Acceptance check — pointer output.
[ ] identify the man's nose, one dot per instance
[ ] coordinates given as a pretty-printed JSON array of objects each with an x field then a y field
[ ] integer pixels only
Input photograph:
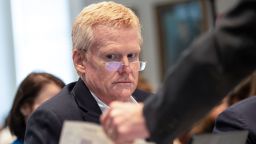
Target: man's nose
[
  {"x": 125, "y": 61},
  {"x": 125, "y": 66}
]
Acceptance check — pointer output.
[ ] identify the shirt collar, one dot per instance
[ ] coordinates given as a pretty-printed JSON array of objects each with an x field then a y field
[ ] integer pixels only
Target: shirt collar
[{"x": 104, "y": 106}]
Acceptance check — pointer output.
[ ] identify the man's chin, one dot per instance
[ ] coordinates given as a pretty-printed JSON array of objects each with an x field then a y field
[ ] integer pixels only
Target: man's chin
[{"x": 124, "y": 95}]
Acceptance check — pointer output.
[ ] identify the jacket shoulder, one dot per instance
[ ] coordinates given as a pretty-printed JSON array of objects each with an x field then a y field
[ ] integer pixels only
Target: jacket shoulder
[{"x": 141, "y": 95}]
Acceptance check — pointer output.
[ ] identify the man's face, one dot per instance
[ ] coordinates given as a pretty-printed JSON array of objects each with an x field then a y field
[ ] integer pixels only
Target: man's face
[{"x": 113, "y": 45}]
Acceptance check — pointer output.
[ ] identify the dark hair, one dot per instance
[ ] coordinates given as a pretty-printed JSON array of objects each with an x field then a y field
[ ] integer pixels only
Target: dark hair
[
  {"x": 26, "y": 93},
  {"x": 244, "y": 89}
]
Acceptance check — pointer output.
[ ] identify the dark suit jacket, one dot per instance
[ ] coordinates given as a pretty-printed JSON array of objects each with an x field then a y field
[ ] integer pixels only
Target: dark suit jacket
[
  {"x": 240, "y": 116},
  {"x": 74, "y": 102},
  {"x": 210, "y": 68}
]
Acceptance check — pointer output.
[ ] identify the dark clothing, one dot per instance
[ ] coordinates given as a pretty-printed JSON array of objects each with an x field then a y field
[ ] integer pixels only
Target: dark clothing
[
  {"x": 17, "y": 141},
  {"x": 240, "y": 116},
  {"x": 206, "y": 72},
  {"x": 74, "y": 102}
]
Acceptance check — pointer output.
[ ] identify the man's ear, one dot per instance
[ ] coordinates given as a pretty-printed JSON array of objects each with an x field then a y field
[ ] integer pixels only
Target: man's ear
[{"x": 78, "y": 61}]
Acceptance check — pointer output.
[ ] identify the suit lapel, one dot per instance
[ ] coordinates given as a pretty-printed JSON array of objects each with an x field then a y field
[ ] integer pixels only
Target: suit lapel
[
  {"x": 88, "y": 106},
  {"x": 140, "y": 96}
]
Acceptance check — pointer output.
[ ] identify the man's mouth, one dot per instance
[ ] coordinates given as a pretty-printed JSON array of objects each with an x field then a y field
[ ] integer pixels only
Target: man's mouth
[{"x": 120, "y": 82}]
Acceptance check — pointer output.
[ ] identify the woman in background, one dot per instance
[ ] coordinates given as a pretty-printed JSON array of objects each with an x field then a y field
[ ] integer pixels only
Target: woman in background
[
  {"x": 35, "y": 89},
  {"x": 246, "y": 88}
]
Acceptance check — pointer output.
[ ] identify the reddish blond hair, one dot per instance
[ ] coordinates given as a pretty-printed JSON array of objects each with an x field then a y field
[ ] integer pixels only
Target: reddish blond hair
[{"x": 109, "y": 14}]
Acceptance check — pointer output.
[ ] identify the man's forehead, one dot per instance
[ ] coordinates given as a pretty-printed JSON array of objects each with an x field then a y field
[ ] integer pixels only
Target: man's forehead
[
  {"x": 105, "y": 33},
  {"x": 115, "y": 39},
  {"x": 117, "y": 49}
]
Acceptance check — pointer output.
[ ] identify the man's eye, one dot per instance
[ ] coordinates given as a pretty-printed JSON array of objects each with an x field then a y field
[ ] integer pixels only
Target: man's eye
[
  {"x": 111, "y": 57},
  {"x": 132, "y": 56}
]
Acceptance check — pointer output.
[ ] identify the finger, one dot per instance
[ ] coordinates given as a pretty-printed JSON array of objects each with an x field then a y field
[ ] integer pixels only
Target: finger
[
  {"x": 108, "y": 123},
  {"x": 104, "y": 116},
  {"x": 116, "y": 104},
  {"x": 110, "y": 134},
  {"x": 105, "y": 121}
]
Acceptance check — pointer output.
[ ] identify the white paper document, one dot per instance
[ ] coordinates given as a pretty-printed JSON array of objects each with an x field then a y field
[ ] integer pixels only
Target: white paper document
[{"x": 75, "y": 132}]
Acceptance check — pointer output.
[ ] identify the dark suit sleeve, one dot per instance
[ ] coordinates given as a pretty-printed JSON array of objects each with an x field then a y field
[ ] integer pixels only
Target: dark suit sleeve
[
  {"x": 205, "y": 73},
  {"x": 234, "y": 121},
  {"x": 43, "y": 128}
]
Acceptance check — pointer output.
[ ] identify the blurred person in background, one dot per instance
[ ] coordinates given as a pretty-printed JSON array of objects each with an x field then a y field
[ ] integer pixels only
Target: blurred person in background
[
  {"x": 241, "y": 115},
  {"x": 205, "y": 125},
  {"x": 243, "y": 90},
  {"x": 34, "y": 90}
]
